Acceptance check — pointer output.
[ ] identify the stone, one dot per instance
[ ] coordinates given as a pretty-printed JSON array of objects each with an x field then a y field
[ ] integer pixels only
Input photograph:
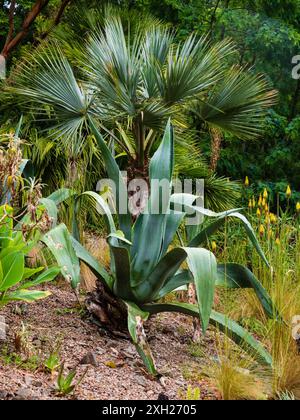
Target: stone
[
  {"x": 23, "y": 394},
  {"x": 141, "y": 381},
  {"x": 89, "y": 359}
]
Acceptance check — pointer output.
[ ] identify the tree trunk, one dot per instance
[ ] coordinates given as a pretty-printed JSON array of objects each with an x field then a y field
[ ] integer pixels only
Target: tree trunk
[
  {"x": 106, "y": 309},
  {"x": 216, "y": 143},
  {"x": 2, "y": 67},
  {"x": 27, "y": 23},
  {"x": 138, "y": 187},
  {"x": 57, "y": 18}
]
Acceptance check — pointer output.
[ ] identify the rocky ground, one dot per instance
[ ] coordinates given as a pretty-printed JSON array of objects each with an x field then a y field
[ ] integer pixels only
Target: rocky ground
[{"x": 58, "y": 326}]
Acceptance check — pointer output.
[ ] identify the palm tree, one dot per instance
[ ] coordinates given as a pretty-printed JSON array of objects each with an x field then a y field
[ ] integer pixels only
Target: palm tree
[{"x": 131, "y": 79}]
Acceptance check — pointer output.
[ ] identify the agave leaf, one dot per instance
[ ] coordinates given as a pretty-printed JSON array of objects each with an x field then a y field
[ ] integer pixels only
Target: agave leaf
[
  {"x": 136, "y": 317},
  {"x": 116, "y": 176},
  {"x": 203, "y": 266},
  {"x": 182, "y": 278},
  {"x": 61, "y": 195},
  {"x": 105, "y": 208},
  {"x": 237, "y": 333},
  {"x": 59, "y": 242},
  {"x": 93, "y": 264},
  {"x": 179, "y": 200},
  {"x": 235, "y": 276},
  {"x": 151, "y": 224},
  {"x": 121, "y": 269},
  {"x": 173, "y": 222},
  {"x": 165, "y": 269},
  {"x": 51, "y": 209},
  {"x": 202, "y": 236}
]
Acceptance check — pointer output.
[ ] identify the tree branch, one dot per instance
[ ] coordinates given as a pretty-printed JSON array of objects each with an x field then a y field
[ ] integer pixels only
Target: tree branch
[
  {"x": 27, "y": 23},
  {"x": 58, "y": 17},
  {"x": 12, "y": 10}
]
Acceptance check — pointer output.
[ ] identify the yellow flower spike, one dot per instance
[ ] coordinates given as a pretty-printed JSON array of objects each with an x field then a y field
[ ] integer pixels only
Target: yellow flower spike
[
  {"x": 247, "y": 182},
  {"x": 298, "y": 207},
  {"x": 266, "y": 208},
  {"x": 258, "y": 213},
  {"x": 262, "y": 230},
  {"x": 263, "y": 203},
  {"x": 213, "y": 246},
  {"x": 273, "y": 218},
  {"x": 277, "y": 242},
  {"x": 250, "y": 204},
  {"x": 9, "y": 181},
  {"x": 288, "y": 192},
  {"x": 253, "y": 203},
  {"x": 268, "y": 219},
  {"x": 270, "y": 234},
  {"x": 260, "y": 201},
  {"x": 265, "y": 195}
]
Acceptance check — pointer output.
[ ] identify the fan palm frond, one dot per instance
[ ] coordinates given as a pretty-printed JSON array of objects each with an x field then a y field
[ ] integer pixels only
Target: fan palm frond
[
  {"x": 221, "y": 193},
  {"x": 238, "y": 104}
]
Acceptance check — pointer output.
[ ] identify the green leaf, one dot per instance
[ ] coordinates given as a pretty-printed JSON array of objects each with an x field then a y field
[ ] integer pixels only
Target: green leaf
[
  {"x": 185, "y": 200},
  {"x": 235, "y": 276},
  {"x": 136, "y": 317},
  {"x": 93, "y": 264},
  {"x": 28, "y": 296},
  {"x": 61, "y": 195},
  {"x": 58, "y": 240},
  {"x": 173, "y": 222},
  {"x": 182, "y": 278},
  {"x": 13, "y": 270},
  {"x": 45, "y": 277},
  {"x": 51, "y": 209},
  {"x": 1, "y": 272},
  {"x": 152, "y": 223},
  {"x": 166, "y": 268},
  {"x": 30, "y": 272},
  {"x": 6, "y": 226},
  {"x": 238, "y": 334},
  {"x": 121, "y": 269},
  {"x": 203, "y": 266},
  {"x": 116, "y": 176},
  {"x": 105, "y": 208}
]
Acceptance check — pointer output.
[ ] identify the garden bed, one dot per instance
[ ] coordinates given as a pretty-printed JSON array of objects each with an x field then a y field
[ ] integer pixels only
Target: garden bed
[{"x": 115, "y": 372}]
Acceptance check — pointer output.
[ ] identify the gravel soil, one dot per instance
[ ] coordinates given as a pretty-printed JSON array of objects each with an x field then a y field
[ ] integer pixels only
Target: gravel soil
[{"x": 113, "y": 371}]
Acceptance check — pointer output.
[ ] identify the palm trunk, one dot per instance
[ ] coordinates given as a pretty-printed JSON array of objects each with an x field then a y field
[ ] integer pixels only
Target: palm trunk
[{"x": 216, "y": 143}]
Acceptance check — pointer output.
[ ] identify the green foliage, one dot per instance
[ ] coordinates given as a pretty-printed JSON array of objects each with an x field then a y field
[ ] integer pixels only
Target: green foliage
[
  {"x": 66, "y": 384},
  {"x": 154, "y": 78},
  {"x": 142, "y": 273},
  {"x": 52, "y": 363},
  {"x": 15, "y": 278}
]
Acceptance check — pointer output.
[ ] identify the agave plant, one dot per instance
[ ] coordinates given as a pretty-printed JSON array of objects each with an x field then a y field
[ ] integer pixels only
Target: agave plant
[
  {"x": 132, "y": 81},
  {"x": 144, "y": 269}
]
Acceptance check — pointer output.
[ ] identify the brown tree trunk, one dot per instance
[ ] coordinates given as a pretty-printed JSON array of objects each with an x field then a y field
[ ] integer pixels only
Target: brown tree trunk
[
  {"x": 216, "y": 143},
  {"x": 107, "y": 310},
  {"x": 57, "y": 18},
  {"x": 27, "y": 23},
  {"x": 13, "y": 41}
]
